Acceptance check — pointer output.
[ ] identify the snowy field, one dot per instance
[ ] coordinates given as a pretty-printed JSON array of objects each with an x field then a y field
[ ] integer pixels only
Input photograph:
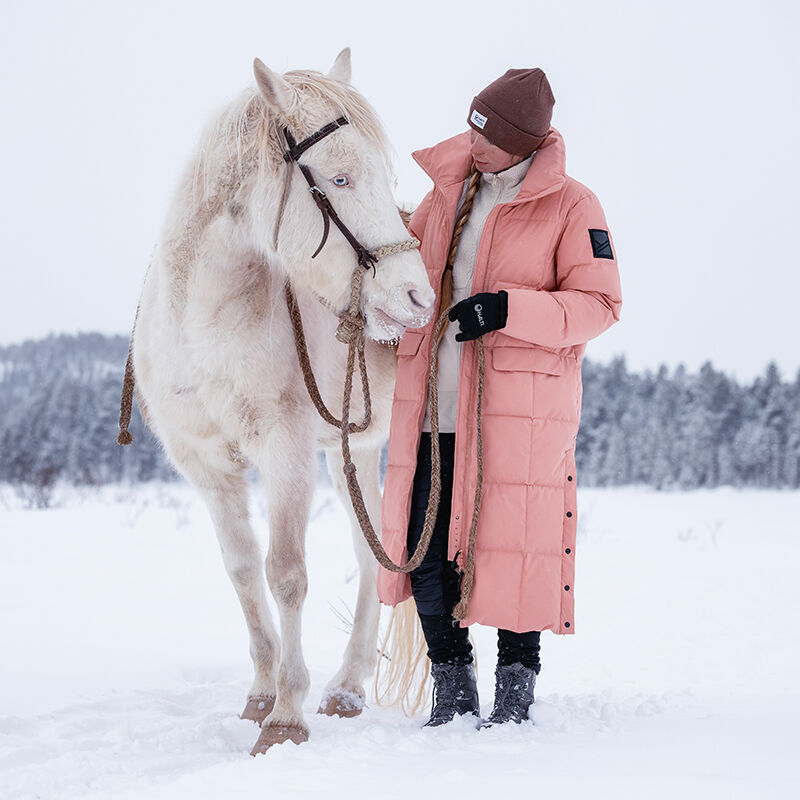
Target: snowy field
[{"x": 124, "y": 665}]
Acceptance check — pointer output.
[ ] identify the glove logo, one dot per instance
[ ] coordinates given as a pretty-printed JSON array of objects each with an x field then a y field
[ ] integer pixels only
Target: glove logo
[{"x": 478, "y": 309}]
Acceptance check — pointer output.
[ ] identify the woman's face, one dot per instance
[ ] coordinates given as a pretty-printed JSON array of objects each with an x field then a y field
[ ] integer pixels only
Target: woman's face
[{"x": 488, "y": 157}]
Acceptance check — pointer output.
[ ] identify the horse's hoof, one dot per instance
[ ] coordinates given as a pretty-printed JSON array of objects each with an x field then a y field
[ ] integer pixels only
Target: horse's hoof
[
  {"x": 258, "y": 707},
  {"x": 277, "y": 733},
  {"x": 342, "y": 703}
]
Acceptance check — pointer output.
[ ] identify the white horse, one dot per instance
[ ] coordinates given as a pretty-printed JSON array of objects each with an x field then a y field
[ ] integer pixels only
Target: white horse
[{"x": 216, "y": 368}]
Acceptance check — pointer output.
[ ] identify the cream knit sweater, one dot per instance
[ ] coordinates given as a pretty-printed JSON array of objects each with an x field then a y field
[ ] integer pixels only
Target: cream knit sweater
[{"x": 495, "y": 188}]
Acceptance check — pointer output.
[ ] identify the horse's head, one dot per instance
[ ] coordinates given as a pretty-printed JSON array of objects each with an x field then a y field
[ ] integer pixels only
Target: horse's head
[{"x": 352, "y": 167}]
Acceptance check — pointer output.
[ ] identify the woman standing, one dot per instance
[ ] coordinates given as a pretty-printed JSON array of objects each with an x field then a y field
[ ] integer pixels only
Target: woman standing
[{"x": 524, "y": 253}]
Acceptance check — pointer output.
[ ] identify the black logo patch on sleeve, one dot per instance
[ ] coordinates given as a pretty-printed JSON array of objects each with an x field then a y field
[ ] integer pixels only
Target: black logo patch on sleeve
[{"x": 601, "y": 246}]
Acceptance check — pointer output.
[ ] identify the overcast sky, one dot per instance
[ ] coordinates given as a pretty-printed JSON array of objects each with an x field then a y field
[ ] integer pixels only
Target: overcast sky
[{"x": 681, "y": 117}]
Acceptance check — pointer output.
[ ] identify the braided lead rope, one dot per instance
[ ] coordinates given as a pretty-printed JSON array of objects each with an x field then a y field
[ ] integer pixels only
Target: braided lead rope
[
  {"x": 351, "y": 321},
  {"x": 356, "y": 497},
  {"x": 351, "y": 331},
  {"x": 327, "y": 303},
  {"x": 460, "y": 611},
  {"x": 351, "y": 325},
  {"x": 379, "y": 253},
  {"x": 308, "y": 372},
  {"x": 126, "y": 402},
  {"x": 398, "y": 247},
  {"x": 125, "y": 437}
]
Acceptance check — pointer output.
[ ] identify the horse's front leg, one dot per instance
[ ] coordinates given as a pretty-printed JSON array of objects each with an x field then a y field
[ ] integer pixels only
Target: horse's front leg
[
  {"x": 344, "y": 695},
  {"x": 226, "y": 498},
  {"x": 289, "y": 471},
  {"x": 221, "y": 484}
]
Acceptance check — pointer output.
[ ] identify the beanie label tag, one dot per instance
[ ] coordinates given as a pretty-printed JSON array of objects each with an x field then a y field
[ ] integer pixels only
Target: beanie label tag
[{"x": 478, "y": 118}]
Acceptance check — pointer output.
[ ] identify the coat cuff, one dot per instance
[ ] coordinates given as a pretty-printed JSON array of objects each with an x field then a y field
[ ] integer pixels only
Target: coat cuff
[
  {"x": 531, "y": 315},
  {"x": 562, "y": 318}
]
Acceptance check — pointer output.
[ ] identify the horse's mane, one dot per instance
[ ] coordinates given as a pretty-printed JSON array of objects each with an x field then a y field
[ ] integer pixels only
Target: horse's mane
[{"x": 247, "y": 132}]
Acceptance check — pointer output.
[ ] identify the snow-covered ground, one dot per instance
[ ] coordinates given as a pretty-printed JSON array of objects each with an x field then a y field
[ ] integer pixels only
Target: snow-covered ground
[{"x": 123, "y": 660}]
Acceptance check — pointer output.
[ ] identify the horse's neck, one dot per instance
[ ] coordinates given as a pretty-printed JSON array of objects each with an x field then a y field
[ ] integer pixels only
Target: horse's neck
[
  {"x": 220, "y": 192},
  {"x": 207, "y": 229}
]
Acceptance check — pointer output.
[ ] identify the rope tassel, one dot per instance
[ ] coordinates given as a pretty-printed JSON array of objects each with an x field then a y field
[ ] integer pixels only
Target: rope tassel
[{"x": 126, "y": 402}]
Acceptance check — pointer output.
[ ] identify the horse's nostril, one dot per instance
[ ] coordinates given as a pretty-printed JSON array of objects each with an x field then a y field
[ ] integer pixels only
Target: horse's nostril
[{"x": 415, "y": 299}]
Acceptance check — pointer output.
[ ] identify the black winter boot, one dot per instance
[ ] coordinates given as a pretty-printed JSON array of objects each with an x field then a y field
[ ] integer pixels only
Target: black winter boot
[
  {"x": 455, "y": 692},
  {"x": 513, "y": 694}
]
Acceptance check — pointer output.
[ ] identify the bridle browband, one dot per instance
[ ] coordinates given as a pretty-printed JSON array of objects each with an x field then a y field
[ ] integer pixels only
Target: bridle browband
[{"x": 296, "y": 150}]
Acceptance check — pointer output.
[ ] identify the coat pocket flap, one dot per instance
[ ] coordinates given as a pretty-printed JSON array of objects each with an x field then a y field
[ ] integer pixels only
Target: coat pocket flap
[
  {"x": 409, "y": 343},
  {"x": 526, "y": 358}
]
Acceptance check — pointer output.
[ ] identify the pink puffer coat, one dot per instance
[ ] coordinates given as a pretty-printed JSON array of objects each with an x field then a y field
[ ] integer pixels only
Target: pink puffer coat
[{"x": 549, "y": 248}]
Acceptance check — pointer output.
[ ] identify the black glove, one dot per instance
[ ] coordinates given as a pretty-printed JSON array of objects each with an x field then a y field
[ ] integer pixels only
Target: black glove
[{"x": 479, "y": 314}]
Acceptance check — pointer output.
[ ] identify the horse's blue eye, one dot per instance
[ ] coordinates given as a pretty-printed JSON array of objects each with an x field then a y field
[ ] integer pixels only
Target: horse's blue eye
[{"x": 340, "y": 180}]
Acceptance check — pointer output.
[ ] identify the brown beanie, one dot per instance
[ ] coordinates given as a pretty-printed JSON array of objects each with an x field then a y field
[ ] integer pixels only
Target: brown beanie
[{"x": 514, "y": 111}]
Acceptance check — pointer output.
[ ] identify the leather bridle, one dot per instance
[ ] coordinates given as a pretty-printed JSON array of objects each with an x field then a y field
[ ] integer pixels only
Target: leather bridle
[{"x": 365, "y": 257}]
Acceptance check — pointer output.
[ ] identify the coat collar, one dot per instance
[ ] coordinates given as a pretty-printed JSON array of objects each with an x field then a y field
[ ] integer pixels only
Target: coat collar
[
  {"x": 510, "y": 178},
  {"x": 449, "y": 162}
]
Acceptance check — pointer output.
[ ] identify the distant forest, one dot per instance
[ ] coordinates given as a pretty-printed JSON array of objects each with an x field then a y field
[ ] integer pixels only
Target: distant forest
[{"x": 59, "y": 405}]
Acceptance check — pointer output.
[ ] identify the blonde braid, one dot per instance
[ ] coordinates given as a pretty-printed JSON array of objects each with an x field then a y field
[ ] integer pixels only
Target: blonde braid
[{"x": 461, "y": 221}]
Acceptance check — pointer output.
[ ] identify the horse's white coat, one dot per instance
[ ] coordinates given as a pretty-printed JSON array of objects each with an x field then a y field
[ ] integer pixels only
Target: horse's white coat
[{"x": 217, "y": 374}]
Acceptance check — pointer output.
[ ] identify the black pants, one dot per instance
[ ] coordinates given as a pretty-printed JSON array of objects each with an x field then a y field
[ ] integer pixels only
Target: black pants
[{"x": 436, "y": 582}]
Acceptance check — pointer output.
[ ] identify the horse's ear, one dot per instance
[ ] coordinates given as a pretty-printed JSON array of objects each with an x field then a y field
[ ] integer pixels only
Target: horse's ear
[
  {"x": 274, "y": 88},
  {"x": 340, "y": 71}
]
